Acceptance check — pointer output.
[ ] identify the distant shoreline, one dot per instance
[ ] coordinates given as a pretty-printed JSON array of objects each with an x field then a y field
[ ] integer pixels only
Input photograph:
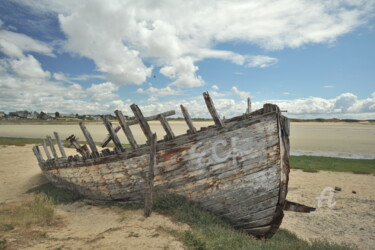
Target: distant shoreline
[{"x": 177, "y": 120}]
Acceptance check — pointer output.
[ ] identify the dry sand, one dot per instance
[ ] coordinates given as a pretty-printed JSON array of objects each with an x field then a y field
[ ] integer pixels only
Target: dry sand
[
  {"x": 351, "y": 220},
  {"x": 84, "y": 226},
  {"x": 352, "y": 140}
]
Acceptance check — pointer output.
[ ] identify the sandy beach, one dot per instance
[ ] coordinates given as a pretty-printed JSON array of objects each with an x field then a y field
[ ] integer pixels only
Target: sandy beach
[{"x": 351, "y": 220}]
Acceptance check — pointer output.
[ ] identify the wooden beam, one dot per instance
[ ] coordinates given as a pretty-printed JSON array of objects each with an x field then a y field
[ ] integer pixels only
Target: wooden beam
[
  {"x": 212, "y": 110},
  {"x": 62, "y": 151},
  {"x": 188, "y": 120},
  {"x": 133, "y": 122},
  {"x": 113, "y": 134},
  {"x": 142, "y": 122},
  {"x": 150, "y": 179},
  {"x": 53, "y": 150},
  {"x": 74, "y": 141},
  {"x": 248, "y": 110},
  {"x": 170, "y": 135},
  {"x": 125, "y": 127},
  {"x": 153, "y": 117},
  {"x": 89, "y": 139},
  {"x": 46, "y": 150},
  {"x": 38, "y": 154}
]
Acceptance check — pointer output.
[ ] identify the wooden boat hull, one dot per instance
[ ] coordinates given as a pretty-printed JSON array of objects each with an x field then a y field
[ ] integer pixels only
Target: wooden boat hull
[{"x": 238, "y": 171}]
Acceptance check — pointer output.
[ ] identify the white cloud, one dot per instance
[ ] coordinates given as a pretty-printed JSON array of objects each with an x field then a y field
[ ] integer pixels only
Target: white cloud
[
  {"x": 103, "y": 91},
  {"x": 242, "y": 94},
  {"x": 125, "y": 38},
  {"x": 155, "y": 93},
  {"x": 15, "y": 44},
  {"x": 215, "y": 87},
  {"x": 260, "y": 61},
  {"x": 328, "y": 86}
]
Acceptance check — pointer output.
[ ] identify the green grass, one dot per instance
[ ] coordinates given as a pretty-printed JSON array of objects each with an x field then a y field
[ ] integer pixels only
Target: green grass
[
  {"x": 210, "y": 232},
  {"x": 316, "y": 163},
  {"x": 55, "y": 194},
  {"x": 207, "y": 230},
  {"x": 39, "y": 211}
]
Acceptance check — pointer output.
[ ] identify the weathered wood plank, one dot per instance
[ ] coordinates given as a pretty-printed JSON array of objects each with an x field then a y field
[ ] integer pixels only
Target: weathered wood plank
[
  {"x": 53, "y": 150},
  {"x": 248, "y": 110},
  {"x": 38, "y": 154},
  {"x": 133, "y": 122},
  {"x": 59, "y": 144},
  {"x": 46, "y": 150},
  {"x": 212, "y": 110},
  {"x": 142, "y": 122},
  {"x": 125, "y": 127},
  {"x": 153, "y": 117},
  {"x": 170, "y": 135},
  {"x": 185, "y": 113},
  {"x": 89, "y": 139},
  {"x": 179, "y": 141},
  {"x": 111, "y": 131},
  {"x": 150, "y": 179},
  {"x": 82, "y": 150}
]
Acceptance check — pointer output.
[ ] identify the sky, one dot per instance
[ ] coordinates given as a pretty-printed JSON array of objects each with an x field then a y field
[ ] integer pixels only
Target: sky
[{"x": 313, "y": 58}]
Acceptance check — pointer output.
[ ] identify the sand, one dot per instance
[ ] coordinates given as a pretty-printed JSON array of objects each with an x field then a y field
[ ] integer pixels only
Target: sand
[
  {"x": 343, "y": 139},
  {"x": 83, "y": 226},
  {"x": 351, "y": 220}
]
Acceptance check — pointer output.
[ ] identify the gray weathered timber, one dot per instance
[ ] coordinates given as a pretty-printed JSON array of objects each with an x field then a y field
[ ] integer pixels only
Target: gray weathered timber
[
  {"x": 212, "y": 110},
  {"x": 59, "y": 144},
  {"x": 125, "y": 127},
  {"x": 237, "y": 169},
  {"x": 111, "y": 131},
  {"x": 133, "y": 122},
  {"x": 89, "y": 140},
  {"x": 142, "y": 122},
  {"x": 150, "y": 177},
  {"x": 185, "y": 113},
  {"x": 37, "y": 154},
  {"x": 52, "y": 147},
  {"x": 248, "y": 110},
  {"x": 167, "y": 128},
  {"x": 46, "y": 150}
]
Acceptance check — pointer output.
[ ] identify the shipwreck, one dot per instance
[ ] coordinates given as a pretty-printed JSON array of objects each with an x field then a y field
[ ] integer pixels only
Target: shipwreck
[{"x": 237, "y": 168}]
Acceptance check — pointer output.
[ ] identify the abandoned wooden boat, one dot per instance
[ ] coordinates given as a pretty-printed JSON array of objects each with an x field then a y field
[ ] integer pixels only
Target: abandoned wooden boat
[{"x": 237, "y": 169}]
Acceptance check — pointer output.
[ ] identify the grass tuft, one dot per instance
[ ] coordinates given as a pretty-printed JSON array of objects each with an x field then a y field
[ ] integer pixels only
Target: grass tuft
[
  {"x": 57, "y": 195},
  {"x": 39, "y": 211},
  {"x": 210, "y": 232},
  {"x": 317, "y": 163}
]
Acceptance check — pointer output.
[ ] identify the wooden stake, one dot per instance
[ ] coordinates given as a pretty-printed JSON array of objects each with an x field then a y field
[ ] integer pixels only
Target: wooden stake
[
  {"x": 46, "y": 150},
  {"x": 150, "y": 179},
  {"x": 38, "y": 154},
  {"x": 170, "y": 135},
  {"x": 142, "y": 122},
  {"x": 212, "y": 110},
  {"x": 62, "y": 151},
  {"x": 248, "y": 110},
  {"x": 113, "y": 134},
  {"x": 126, "y": 129},
  {"x": 53, "y": 150},
  {"x": 188, "y": 120},
  {"x": 89, "y": 139}
]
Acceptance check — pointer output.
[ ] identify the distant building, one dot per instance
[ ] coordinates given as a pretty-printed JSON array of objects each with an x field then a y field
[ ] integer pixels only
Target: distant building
[{"x": 2, "y": 114}]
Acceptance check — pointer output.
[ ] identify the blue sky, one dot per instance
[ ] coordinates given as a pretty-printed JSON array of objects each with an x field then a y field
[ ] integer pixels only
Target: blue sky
[{"x": 312, "y": 58}]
